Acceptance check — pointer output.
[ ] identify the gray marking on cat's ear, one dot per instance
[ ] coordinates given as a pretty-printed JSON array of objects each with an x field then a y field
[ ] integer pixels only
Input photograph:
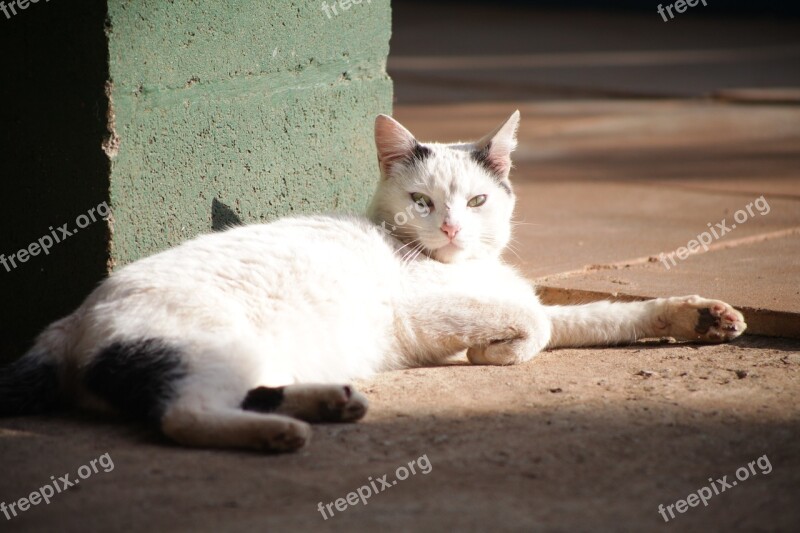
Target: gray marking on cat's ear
[
  {"x": 396, "y": 144},
  {"x": 493, "y": 151},
  {"x": 482, "y": 158},
  {"x": 420, "y": 153}
]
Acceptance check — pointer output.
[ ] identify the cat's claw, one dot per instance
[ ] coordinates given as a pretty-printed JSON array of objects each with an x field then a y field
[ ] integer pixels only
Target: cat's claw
[{"x": 703, "y": 320}]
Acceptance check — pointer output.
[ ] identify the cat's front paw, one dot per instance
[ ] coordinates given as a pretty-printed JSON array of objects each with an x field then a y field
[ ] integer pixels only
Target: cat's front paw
[
  {"x": 502, "y": 352},
  {"x": 700, "y": 319}
]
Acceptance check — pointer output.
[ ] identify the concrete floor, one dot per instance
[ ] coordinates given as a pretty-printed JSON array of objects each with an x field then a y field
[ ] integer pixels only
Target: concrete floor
[
  {"x": 575, "y": 440},
  {"x": 607, "y": 176}
]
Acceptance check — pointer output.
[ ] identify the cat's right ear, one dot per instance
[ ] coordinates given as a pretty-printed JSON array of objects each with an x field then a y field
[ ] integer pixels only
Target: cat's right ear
[
  {"x": 494, "y": 150},
  {"x": 395, "y": 144}
]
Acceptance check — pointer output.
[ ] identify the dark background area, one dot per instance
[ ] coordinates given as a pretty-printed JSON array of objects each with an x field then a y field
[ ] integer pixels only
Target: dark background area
[
  {"x": 729, "y": 6},
  {"x": 522, "y": 51},
  {"x": 52, "y": 125}
]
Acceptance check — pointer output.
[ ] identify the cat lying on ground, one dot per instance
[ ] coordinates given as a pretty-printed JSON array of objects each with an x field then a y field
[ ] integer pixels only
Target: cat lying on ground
[{"x": 238, "y": 339}]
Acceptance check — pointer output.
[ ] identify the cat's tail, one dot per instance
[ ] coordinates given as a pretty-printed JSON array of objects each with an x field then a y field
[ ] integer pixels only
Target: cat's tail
[{"x": 32, "y": 383}]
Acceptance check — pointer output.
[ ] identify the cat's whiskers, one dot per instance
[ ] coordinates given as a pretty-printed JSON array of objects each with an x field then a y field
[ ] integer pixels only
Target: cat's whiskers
[
  {"x": 413, "y": 243},
  {"x": 409, "y": 243},
  {"x": 413, "y": 250},
  {"x": 513, "y": 251},
  {"x": 413, "y": 254},
  {"x": 512, "y": 248},
  {"x": 421, "y": 250}
]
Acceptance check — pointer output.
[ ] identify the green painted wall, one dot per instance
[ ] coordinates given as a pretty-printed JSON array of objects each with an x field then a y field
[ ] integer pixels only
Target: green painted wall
[
  {"x": 218, "y": 111},
  {"x": 262, "y": 106}
]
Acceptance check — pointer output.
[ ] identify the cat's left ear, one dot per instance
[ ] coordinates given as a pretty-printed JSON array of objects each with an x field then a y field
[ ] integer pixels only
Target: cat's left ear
[
  {"x": 494, "y": 150},
  {"x": 396, "y": 145}
]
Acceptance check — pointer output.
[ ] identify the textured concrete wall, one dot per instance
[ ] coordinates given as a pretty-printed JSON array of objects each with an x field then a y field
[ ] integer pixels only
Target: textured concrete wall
[
  {"x": 185, "y": 116},
  {"x": 262, "y": 106}
]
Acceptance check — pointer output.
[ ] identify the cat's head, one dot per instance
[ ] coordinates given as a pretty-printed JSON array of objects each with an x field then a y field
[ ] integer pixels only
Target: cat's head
[{"x": 451, "y": 201}]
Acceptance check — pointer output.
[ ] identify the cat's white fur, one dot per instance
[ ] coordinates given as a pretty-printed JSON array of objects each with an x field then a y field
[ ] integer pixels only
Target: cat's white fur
[{"x": 327, "y": 299}]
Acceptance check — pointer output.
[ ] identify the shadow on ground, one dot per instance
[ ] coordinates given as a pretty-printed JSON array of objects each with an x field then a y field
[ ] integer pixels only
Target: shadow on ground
[{"x": 573, "y": 440}]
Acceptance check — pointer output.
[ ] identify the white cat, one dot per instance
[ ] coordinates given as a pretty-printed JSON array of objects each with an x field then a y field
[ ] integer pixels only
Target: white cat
[{"x": 237, "y": 339}]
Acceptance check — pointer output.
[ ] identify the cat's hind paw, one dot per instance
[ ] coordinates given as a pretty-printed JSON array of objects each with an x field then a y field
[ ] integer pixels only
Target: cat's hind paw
[
  {"x": 288, "y": 437},
  {"x": 323, "y": 403},
  {"x": 343, "y": 405},
  {"x": 703, "y": 320}
]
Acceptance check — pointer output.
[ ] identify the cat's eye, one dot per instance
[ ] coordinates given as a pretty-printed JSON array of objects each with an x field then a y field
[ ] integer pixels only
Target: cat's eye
[
  {"x": 477, "y": 201},
  {"x": 422, "y": 199}
]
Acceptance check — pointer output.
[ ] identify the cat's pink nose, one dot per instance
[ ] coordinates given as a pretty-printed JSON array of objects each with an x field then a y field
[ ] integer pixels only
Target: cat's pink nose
[{"x": 451, "y": 230}]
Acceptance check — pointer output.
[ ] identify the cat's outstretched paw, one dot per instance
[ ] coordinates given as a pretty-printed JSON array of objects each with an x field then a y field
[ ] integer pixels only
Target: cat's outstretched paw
[{"x": 699, "y": 319}]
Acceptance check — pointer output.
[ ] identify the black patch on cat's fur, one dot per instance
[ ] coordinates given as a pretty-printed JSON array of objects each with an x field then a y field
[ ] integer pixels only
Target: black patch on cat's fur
[
  {"x": 705, "y": 321},
  {"x": 420, "y": 153},
  {"x": 223, "y": 217},
  {"x": 263, "y": 399},
  {"x": 29, "y": 385},
  {"x": 482, "y": 158},
  {"x": 137, "y": 378}
]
